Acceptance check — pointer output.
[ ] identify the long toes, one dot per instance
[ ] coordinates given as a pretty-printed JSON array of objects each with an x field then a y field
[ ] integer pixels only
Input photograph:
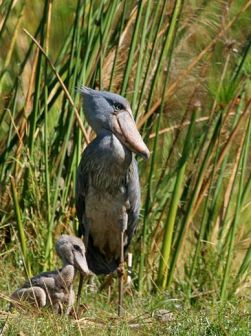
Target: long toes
[{"x": 121, "y": 270}]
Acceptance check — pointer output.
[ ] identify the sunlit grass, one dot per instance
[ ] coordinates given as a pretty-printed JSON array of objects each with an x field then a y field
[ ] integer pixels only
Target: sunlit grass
[{"x": 155, "y": 315}]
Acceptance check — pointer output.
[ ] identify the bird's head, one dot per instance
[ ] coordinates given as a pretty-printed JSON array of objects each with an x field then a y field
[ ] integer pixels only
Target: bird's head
[
  {"x": 71, "y": 250},
  {"x": 107, "y": 111}
]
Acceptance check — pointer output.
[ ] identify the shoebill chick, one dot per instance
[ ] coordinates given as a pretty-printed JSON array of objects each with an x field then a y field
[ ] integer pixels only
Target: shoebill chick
[{"x": 55, "y": 288}]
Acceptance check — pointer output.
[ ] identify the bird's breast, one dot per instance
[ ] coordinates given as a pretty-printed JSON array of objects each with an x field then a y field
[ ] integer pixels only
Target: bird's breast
[
  {"x": 106, "y": 216},
  {"x": 103, "y": 185}
]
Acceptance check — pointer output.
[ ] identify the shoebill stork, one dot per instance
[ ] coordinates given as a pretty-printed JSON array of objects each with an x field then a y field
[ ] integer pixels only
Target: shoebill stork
[
  {"x": 108, "y": 190},
  {"x": 55, "y": 288}
]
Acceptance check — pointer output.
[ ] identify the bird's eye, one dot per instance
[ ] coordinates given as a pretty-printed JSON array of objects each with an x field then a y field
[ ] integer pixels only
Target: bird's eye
[
  {"x": 77, "y": 248},
  {"x": 117, "y": 107}
]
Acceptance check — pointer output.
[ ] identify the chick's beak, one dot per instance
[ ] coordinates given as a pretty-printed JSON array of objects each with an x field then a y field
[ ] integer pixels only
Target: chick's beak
[
  {"x": 125, "y": 129},
  {"x": 81, "y": 264}
]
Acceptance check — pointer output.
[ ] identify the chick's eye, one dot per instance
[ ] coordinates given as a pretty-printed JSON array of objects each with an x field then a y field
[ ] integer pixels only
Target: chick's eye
[{"x": 77, "y": 248}]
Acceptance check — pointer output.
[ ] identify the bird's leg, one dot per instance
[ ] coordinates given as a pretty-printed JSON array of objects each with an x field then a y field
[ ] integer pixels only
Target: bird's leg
[
  {"x": 81, "y": 279},
  {"x": 120, "y": 271},
  {"x": 34, "y": 295},
  {"x": 71, "y": 301}
]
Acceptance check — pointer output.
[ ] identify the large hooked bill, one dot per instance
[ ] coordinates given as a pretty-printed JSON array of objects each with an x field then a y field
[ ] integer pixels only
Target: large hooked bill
[{"x": 125, "y": 129}]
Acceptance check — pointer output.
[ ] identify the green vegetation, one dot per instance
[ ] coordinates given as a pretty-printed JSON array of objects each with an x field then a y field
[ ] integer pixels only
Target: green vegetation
[
  {"x": 185, "y": 68},
  {"x": 144, "y": 316}
]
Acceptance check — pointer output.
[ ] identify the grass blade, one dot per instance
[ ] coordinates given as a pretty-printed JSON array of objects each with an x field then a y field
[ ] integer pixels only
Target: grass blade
[
  {"x": 175, "y": 199},
  {"x": 20, "y": 227}
]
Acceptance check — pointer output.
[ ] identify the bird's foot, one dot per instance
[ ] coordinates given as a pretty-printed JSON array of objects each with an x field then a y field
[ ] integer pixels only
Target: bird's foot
[{"x": 121, "y": 270}]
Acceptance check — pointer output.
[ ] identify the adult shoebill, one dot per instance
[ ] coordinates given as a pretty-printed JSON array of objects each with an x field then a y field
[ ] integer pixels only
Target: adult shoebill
[
  {"x": 108, "y": 190},
  {"x": 55, "y": 287}
]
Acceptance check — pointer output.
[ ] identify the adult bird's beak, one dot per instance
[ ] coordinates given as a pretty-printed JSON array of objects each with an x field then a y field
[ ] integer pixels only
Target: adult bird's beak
[
  {"x": 125, "y": 129},
  {"x": 81, "y": 264}
]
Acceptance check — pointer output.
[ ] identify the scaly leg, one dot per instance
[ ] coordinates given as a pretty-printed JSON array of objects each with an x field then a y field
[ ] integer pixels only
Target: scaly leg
[
  {"x": 81, "y": 279},
  {"x": 70, "y": 306},
  {"x": 120, "y": 271}
]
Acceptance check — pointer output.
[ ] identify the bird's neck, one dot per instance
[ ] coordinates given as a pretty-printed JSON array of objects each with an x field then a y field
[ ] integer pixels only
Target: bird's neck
[
  {"x": 108, "y": 161},
  {"x": 113, "y": 153},
  {"x": 68, "y": 273}
]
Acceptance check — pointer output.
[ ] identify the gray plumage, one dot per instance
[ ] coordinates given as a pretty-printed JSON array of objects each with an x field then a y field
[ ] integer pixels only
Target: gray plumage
[
  {"x": 55, "y": 288},
  {"x": 108, "y": 191}
]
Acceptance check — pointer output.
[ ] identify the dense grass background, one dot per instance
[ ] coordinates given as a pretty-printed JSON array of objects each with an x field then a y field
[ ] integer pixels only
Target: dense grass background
[{"x": 185, "y": 68}]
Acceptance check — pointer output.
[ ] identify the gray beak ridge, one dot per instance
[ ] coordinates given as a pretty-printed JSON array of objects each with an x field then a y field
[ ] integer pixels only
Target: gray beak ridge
[
  {"x": 126, "y": 130},
  {"x": 81, "y": 264}
]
